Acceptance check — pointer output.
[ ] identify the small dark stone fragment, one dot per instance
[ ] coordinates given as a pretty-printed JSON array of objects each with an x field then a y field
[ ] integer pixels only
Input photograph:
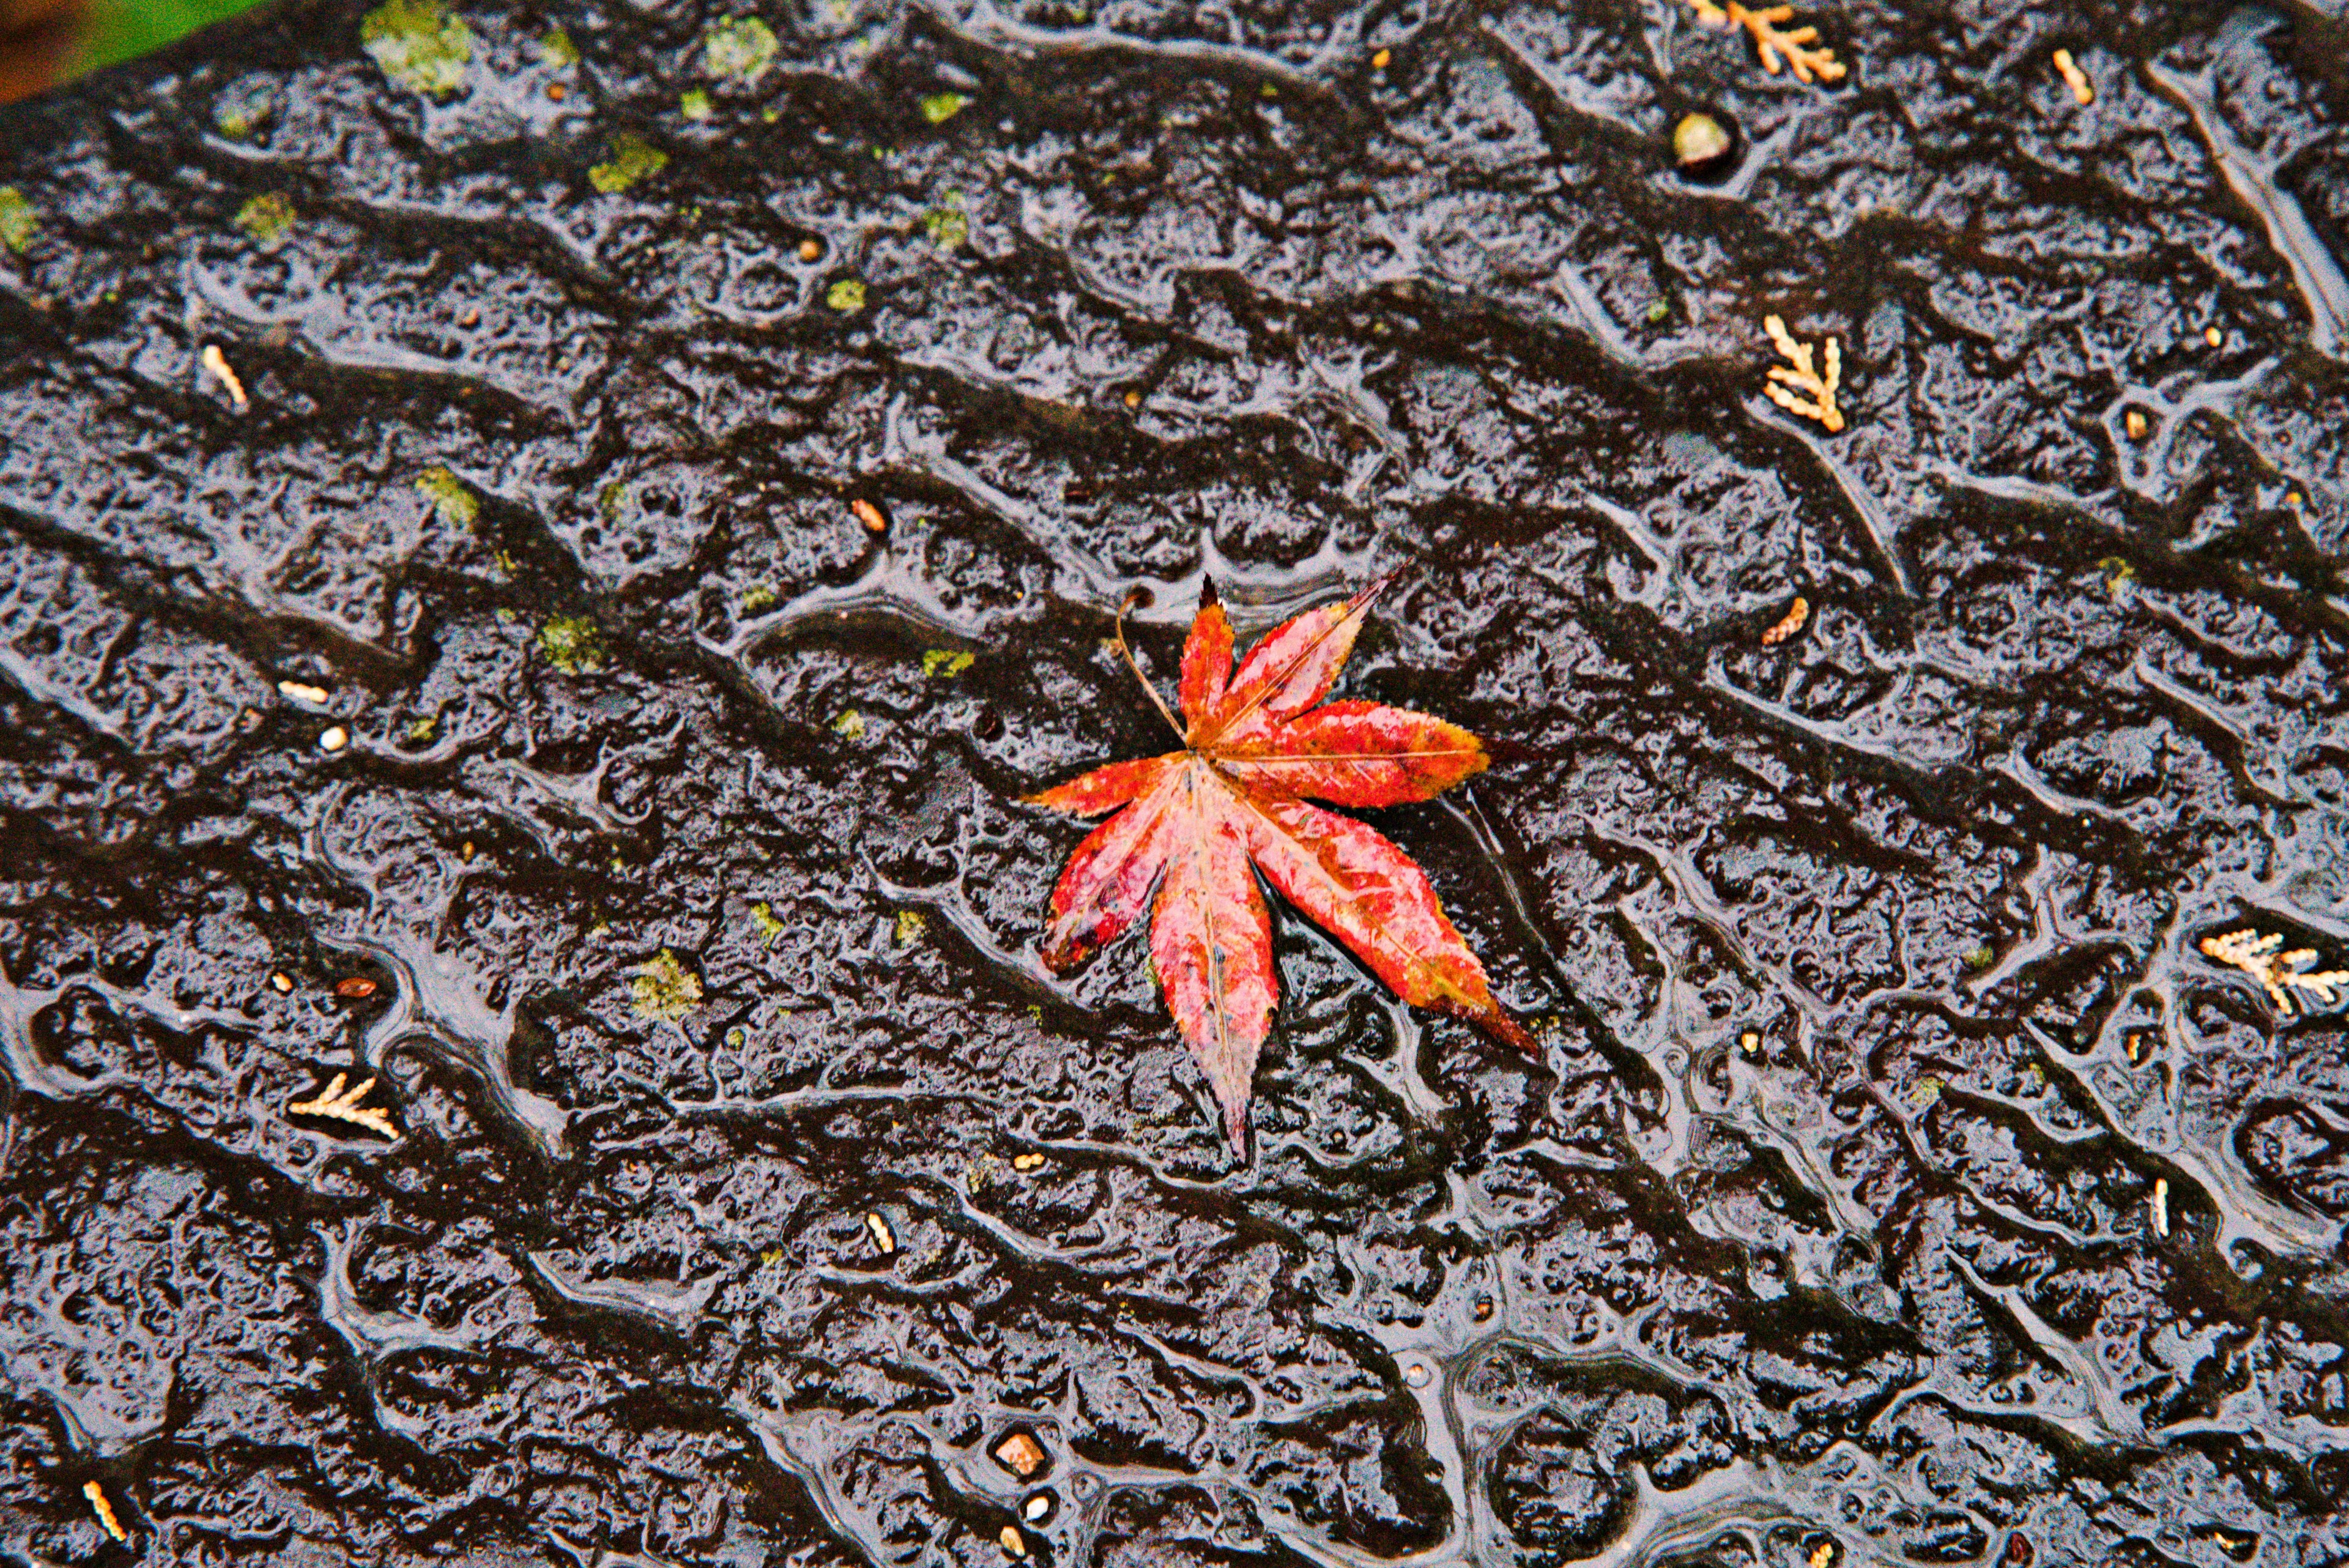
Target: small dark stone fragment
[{"x": 1703, "y": 145}]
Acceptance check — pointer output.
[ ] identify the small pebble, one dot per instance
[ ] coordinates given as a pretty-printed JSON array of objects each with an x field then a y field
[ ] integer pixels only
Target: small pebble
[
  {"x": 1020, "y": 1453},
  {"x": 280, "y": 982},
  {"x": 1698, "y": 141},
  {"x": 1014, "y": 1544},
  {"x": 1416, "y": 1375},
  {"x": 471, "y": 318},
  {"x": 1484, "y": 1309},
  {"x": 556, "y": 91},
  {"x": 1133, "y": 399},
  {"x": 465, "y": 852},
  {"x": 811, "y": 250},
  {"x": 1750, "y": 1043},
  {"x": 1026, "y": 1161},
  {"x": 295, "y": 689},
  {"x": 874, "y": 520},
  {"x": 2292, "y": 498},
  {"x": 355, "y": 987},
  {"x": 1822, "y": 1554},
  {"x": 2213, "y": 337},
  {"x": 2134, "y": 422},
  {"x": 883, "y": 1237},
  {"x": 1380, "y": 60},
  {"x": 335, "y": 738},
  {"x": 1037, "y": 1508},
  {"x": 2161, "y": 1206}
]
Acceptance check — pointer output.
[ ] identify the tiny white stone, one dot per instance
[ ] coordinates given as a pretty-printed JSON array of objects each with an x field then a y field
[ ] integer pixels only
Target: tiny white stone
[{"x": 334, "y": 740}]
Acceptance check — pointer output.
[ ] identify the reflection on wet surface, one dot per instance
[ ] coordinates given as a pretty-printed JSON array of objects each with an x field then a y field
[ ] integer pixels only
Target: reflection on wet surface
[{"x": 631, "y": 404}]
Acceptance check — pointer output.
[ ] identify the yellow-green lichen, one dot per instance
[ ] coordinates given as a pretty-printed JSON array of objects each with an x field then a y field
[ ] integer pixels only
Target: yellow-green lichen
[
  {"x": 633, "y": 159},
  {"x": 243, "y": 109},
  {"x": 850, "y": 725},
  {"x": 940, "y": 107},
  {"x": 911, "y": 924},
  {"x": 18, "y": 222},
  {"x": 948, "y": 225},
  {"x": 418, "y": 45},
  {"x": 847, "y": 297},
  {"x": 740, "y": 46},
  {"x": 556, "y": 49},
  {"x": 572, "y": 644},
  {"x": 757, "y": 597},
  {"x": 421, "y": 729},
  {"x": 693, "y": 104},
  {"x": 268, "y": 218},
  {"x": 448, "y": 496},
  {"x": 665, "y": 989},
  {"x": 946, "y": 661},
  {"x": 763, "y": 921}
]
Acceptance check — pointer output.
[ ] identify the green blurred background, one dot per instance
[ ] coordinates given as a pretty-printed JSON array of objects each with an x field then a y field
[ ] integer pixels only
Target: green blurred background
[
  {"x": 44, "y": 42},
  {"x": 123, "y": 29}
]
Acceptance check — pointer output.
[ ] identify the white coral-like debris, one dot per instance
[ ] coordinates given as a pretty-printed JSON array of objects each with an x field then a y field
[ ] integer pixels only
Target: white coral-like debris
[
  {"x": 345, "y": 1108},
  {"x": 1799, "y": 46},
  {"x": 1803, "y": 378},
  {"x": 2281, "y": 974}
]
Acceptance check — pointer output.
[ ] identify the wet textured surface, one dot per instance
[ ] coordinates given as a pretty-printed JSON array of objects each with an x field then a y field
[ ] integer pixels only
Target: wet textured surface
[{"x": 558, "y": 404}]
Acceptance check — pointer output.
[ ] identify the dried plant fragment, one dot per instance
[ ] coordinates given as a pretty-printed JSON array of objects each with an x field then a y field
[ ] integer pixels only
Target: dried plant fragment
[
  {"x": 1770, "y": 42},
  {"x": 2161, "y": 1206},
  {"x": 1787, "y": 625},
  {"x": 345, "y": 1108},
  {"x": 216, "y": 365},
  {"x": 103, "y": 1509},
  {"x": 2083, "y": 92},
  {"x": 1821, "y": 403},
  {"x": 877, "y": 1227},
  {"x": 2281, "y": 974}
]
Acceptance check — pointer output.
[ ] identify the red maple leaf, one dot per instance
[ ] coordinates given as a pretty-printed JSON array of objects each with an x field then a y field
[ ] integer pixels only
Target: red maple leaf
[{"x": 1201, "y": 823}]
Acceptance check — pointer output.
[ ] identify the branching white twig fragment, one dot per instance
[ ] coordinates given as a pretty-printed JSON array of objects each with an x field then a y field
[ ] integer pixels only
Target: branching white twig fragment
[
  {"x": 345, "y": 1108},
  {"x": 1770, "y": 42},
  {"x": 2281, "y": 972},
  {"x": 1821, "y": 403},
  {"x": 216, "y": 363}
]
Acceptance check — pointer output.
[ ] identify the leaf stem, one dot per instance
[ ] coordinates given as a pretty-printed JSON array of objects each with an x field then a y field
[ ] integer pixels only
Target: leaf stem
[{"x": 1155, "y": 700}]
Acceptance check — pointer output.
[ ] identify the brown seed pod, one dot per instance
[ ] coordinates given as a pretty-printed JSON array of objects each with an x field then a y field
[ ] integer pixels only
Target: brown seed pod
[
  {"x": 355, "y": 987},
  {"x": 1788, "y": 624}
]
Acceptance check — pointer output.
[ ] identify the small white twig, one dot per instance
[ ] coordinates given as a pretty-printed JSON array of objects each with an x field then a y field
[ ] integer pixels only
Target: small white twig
[
  {"x": 345, "y": 1108},
  {"x": 216, "y": 363}
]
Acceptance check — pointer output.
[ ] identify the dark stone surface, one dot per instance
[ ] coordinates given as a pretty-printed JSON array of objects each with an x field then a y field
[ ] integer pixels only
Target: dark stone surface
[{"x": 1180, "y": 290}]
